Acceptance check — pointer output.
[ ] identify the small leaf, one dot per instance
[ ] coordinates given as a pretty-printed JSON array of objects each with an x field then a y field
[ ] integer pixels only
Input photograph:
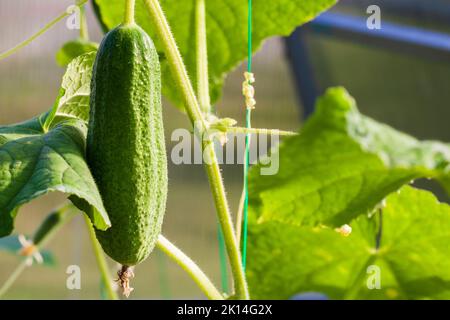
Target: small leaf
[
  {"x": 73, "y": 98},
  {"x": 76, "y": 85},
  {"x": 34, "y": 163},
  {"x": 72, "y": 49},
  {"x": 343, "y": 164},
  {"x": 407, "y": 249},
  {"x": 226, "y": 23}
]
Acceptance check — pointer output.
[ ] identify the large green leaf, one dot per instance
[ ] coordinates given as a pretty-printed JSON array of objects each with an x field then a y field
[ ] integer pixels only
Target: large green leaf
[
  {"x": 34, "y": 162},
  {"x": 408, "y": 248},
  {"x": 341, "y": 165},
  {"x": 226, "y": 30}
]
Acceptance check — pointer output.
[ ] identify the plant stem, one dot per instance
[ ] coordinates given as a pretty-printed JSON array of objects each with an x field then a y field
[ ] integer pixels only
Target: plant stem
[
  {"x": 42, "y": 243},
  {"x": 40, "y": 32},
  {"x": 13, "y": 277},
  {"x": 84, "y": 32},
  {"x": 202, "y": 58},
  {"x": 223, "y": 211},
  {"x": 205, "y": 105},
  {"x": 129, "y": 12},
  {"x": 101, "y": 261},
  {"x": 176, "y": 62},
  {"x": 260, "y": 131},
  {"x": 195, "y": 115},
  {"x": 208, "y": 288}
]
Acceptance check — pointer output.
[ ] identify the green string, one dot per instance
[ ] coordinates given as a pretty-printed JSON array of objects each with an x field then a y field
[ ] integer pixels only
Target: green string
[
  {"x": 222, "y": 253},
  {"x": 249, "y": 66},
  {"x": 247, "y": 145}
]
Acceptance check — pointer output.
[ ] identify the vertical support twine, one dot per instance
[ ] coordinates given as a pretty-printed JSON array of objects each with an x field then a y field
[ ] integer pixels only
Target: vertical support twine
[
  {"x": 242, "y": 217},
  {"x": 250, "y": 104}
]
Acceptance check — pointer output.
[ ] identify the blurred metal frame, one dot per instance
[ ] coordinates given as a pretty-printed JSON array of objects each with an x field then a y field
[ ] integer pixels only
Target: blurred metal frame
[{"x": 401, "y": 38}]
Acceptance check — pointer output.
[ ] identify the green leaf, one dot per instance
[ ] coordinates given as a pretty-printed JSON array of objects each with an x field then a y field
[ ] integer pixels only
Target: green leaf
[
  {"x": 11, "y": 244},
  {"x": 72, "y": 49},
  {"x": 73, "y": 98},
  {"x": 412, "y": 258},
  {"x": 34, "y": 162},
  {"x": 226, "y": 22},
  {"x": 343, "y": 164}
]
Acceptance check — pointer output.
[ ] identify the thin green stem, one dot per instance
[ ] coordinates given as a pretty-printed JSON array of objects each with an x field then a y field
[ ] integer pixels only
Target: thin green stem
[
  {"x": 39, "y": 33},
  {"x": 202, "y": 58},
  {"x": 260, "y": 131},
  {"x": 129, "y": 12},
  {"x": 84, "y": 31},
  {"x": 176, "y": 62},
  {"x": 224, "y": 215},
  {"x": 196, "y": 116},
  {"x": 13, "y": 277},
  {"x": 208, "y": 288},
  {"x": 43, "y": 241},
  {"x": 101, "y": 261},
  {"x": 205, "y": 106},
  {"x": 51, "y": 115}
]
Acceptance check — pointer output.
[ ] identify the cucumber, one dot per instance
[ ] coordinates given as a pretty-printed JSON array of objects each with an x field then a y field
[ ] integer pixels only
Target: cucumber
[
  {"x": 125, "y": 143},
  {"x": 53, "y": 221}
]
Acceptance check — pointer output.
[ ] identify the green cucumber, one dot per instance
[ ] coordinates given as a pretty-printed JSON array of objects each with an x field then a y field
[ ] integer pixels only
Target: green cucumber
[
  {"x": 51, "y": 223},
  {"x": 125, "y": 143}
]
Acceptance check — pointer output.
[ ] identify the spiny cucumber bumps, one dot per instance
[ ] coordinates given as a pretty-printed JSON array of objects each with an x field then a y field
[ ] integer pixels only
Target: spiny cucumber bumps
[{"x": 125, "y": 143}]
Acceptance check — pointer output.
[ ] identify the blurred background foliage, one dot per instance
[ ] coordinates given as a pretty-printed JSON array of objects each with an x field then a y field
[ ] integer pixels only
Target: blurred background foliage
[{"x": 410, "y": 93}]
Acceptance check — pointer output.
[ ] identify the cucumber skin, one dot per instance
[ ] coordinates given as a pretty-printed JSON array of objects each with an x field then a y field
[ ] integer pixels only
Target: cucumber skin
[
  {"x": 125, "y": 143},
  {"x": 51, "y": 222}
]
